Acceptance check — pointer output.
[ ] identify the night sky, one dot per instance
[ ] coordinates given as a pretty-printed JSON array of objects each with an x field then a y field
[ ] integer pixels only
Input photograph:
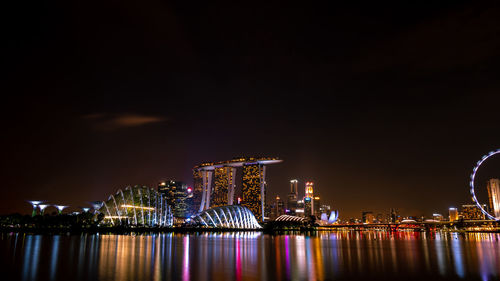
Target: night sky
[{"x": 383, "y": 105}]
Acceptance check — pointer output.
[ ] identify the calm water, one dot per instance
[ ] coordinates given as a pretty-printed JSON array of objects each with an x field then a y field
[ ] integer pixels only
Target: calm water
[{"x": 252, "y": 256}]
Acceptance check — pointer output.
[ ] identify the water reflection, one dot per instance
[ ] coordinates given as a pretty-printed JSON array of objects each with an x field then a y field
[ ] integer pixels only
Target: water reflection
[{"x": 252, "y": 256}]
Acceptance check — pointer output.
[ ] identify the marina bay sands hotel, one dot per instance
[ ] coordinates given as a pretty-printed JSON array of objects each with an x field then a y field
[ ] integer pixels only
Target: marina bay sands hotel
[{"x": 215, "y": 184}]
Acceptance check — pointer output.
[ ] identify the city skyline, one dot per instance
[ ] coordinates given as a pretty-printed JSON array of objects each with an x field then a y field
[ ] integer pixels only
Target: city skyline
[
  {"x": 352, "y": 213},
  {"x": 205, "y": 200}
]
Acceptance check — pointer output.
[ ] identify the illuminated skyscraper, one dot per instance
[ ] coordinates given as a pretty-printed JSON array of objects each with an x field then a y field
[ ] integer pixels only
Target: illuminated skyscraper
[
  {"x": 253, "y": 189},
  {"x": 316, "y": 204},
  {"x": 453, "y": 212},
  {"x": 178, "y": 196},
  {"x": 308, "y": 203},
  {"x": 300, "y": 208},
  {"x": 278, "y": 208},
  {"x": 494, "y": 197},
  {"x": 224, "y": 184},
  {"x": 292, "y": 197},
  {"x": 309, "y": 189},
  {"x": 293, "y": 187},
  {"x": 393, "y": 216}
]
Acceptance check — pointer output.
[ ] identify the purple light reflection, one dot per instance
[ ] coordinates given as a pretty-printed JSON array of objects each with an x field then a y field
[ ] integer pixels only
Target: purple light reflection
[{"x": 185, "y": 265}]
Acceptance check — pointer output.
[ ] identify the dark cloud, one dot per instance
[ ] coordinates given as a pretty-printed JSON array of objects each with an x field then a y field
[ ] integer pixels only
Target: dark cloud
[{"x": 107, "y": 122}]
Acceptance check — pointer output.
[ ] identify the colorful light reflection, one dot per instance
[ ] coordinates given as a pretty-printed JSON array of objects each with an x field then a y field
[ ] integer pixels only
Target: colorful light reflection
[{"x": 254, "y": 256}]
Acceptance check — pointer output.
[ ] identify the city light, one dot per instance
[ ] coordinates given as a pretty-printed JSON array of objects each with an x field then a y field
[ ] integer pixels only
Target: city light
[{"x": 137, "y": 207}]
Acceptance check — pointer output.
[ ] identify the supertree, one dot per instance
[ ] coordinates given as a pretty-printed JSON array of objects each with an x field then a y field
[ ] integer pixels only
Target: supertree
[{"x": 35, "y": 206}]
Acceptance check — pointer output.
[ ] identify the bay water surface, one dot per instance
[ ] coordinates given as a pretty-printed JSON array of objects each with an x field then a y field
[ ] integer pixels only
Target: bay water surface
[{"x": 342, "y": 255}]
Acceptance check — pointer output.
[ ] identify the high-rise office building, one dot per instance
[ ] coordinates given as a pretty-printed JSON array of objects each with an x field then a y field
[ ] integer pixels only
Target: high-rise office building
[
  {"x": 316, "y": 204},
  {"x": 308, "y": 203},
  {"x": 292, "y": 197},
  {"x": 453, "y": 213},
  {"x": 300, "y": 211},
  {"x": 393, "y": 216},
  {"x": 309, "y": 189},
  {"x": 294, "y": 187},
  {"x": 178, "y": 196},
  {"x": 308, "y": 207},
  {"x": 278, "y": 208},
  {"x": 224, "y": 184},
  {"x": 493, "y": 187}
]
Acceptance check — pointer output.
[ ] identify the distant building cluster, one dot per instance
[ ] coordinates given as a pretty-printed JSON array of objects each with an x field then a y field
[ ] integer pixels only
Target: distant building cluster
[
  {"x": 465, "y": 212},
  {"x": 179, "y": 196},
  {"x": 309, "y": 206}
]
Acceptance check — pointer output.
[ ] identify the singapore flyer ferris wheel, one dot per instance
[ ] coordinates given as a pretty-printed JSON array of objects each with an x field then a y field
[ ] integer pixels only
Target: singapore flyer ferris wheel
[{"x": 472, "y": 188}]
